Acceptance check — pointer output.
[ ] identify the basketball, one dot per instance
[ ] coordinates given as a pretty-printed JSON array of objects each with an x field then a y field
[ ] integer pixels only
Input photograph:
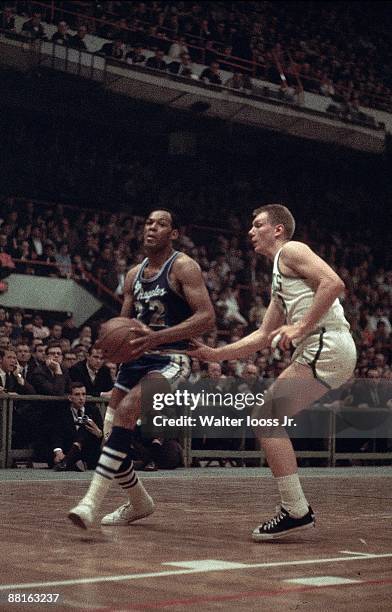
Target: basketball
[{"x": 115, "y": 336}]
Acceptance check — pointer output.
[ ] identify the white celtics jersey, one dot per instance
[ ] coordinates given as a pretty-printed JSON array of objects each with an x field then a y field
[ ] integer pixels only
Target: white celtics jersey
[{"x": 297, "y": 297}]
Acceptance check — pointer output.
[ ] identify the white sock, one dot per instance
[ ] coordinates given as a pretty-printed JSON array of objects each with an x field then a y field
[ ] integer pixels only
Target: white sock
[
  {"x": 292, "y": 496},
  {"x": 97, "y": 490},
  {"x": 132, "y": 486}
]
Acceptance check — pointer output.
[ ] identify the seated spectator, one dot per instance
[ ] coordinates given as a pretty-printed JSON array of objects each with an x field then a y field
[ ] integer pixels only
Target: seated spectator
[
  {"x": 69, "y": 359},
  {"x": 17, "y": 325},
  {"x": 39, "y": 330},
  {"x": 70, "y": 330},
  {"x": 92, "y": 372},
  {"x": 157, "y": 62},
  {"x": 114, "y": 49},
  {"x": 182, "y": 67},
  {"x": 50, "y": 378},
  {"x": 62, "y": 36},
  {"x": 178, "y": 49},
  {"x": 7, "y": 19},
  {"x": 25, "y": 360},
  {"x": 211, "y": 74},
  {"x": 239, "y": 81},
  {"x": 77, "y": 433},
  {"x": 6, "y": 263},
  {"x": 11, "y": 377},
  {"x": 77, "y": 41},
  {"x": 33, "y": 28},
  {"x": 39, "y": 353},
  {"x": 136, "y": 56},
  {"x": 63, "y": 260}
]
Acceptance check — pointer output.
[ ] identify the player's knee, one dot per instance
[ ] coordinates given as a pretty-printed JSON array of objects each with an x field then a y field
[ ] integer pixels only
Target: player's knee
[{"x": 128, "y": 410}]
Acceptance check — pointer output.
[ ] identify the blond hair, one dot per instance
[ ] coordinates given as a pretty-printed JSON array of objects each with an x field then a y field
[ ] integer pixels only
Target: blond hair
[{"x": 278, "y": 215}]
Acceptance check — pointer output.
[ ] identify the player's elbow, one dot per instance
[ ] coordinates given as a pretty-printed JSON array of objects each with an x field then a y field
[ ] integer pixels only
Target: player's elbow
[{"x": 340, "y": 287}]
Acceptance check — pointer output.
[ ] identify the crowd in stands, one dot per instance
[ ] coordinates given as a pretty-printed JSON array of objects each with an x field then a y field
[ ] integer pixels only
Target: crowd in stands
[
  {"x": 339, "y": 50},
  {"x": 69, "y": 245}
]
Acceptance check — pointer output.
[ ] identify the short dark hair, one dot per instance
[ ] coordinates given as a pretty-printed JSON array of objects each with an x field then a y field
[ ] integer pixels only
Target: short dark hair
[
  {"x": 278, "y": 214},
  {"x": 53, "y": 344},
  {"x": 175, "y": 220},
  {"x": 76, "y": 385}
]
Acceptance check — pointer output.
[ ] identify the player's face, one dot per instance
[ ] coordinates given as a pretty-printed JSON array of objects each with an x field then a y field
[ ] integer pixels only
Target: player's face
[
  {"x": 262, "y": 233},
  {"x": 158, "y": 231}
]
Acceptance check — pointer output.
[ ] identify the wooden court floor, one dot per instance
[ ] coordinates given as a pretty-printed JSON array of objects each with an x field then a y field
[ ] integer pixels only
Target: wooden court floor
[{"x": 195, "y": 552}]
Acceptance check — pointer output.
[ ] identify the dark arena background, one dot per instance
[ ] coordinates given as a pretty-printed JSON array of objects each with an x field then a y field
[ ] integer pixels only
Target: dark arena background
[{"x": 110, "y": 110}]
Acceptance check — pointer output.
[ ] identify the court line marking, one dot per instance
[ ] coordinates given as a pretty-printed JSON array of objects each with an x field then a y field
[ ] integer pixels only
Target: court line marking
[
  {"x": 321, "y": 581},
  {"x": 242, "y": 595},
  {"x": 139, "y": 576},
  {"x": 353, "y": 552}
]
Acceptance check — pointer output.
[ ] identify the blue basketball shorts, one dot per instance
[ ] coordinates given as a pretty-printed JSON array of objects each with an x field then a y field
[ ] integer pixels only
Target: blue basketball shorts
[{"x": 172, "y": 366}]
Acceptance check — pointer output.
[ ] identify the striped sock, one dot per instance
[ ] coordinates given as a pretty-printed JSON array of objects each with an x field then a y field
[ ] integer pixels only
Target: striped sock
[
  {"x": 109, "y": 465},
  {"x": 131, "y": 485}
]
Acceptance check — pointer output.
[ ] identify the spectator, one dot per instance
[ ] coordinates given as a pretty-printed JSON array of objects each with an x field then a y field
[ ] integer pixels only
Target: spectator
[
  {"x": 6, "y": 263},
  {"x": 12, "y": 380},
  {"x": 62, "y": 36},
  {"x": 33, "y": 28},
  {"x": 239, "y": 81},
  {"x": 39, "y": 354},
  {"x": 157, "y": 62},
  {"x": 211, "y": 75},
  {"x": 136, "y": 56},
  {"x": 55, "y": 333},
  {"x": 92, "y": 372},
  {"x": 35, "y": 242},
  {"x": 63, "y": 260},
  {"x": 114, "y": 49},
  {"x": 69, "y": 360},
  {"x": 77, "y": 41},
  {"x": 25, "y": 360},
  {"x": 182, "y": 67},
  {"x": 7, "y": 19},
  {"x": 77, "y": 433},
  {"x": 178, "y": 49},
  {"x": 39, "y": 330}
]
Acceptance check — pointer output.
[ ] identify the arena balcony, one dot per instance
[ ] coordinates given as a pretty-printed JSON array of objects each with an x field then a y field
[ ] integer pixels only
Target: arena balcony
[{"x": 283, "y": 107}]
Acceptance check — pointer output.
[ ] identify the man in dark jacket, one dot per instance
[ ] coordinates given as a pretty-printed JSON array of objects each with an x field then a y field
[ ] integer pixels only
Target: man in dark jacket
[
  {"x": 92, "y": 372},
  {"x": 48, "y": 379},
  {"x": 77, "y": 433}
]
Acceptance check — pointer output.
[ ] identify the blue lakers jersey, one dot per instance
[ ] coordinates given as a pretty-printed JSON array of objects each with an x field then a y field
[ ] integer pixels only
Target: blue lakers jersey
[{"x": 156, "y": 303}]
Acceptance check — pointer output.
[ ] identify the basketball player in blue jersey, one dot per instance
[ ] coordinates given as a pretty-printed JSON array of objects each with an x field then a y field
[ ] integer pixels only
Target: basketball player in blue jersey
[
  {"x": 304, "y": 312},
  {"x": 167, "y": 293}
]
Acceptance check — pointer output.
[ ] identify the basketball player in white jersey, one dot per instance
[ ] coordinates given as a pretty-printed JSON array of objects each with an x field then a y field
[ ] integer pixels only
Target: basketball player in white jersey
[{"x": 304, "y": 312}]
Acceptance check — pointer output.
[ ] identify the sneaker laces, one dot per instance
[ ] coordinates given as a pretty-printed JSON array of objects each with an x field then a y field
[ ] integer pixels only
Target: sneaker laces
[
  {"x": 123, "y": 509},
  {"x": 275, "y": 520}
]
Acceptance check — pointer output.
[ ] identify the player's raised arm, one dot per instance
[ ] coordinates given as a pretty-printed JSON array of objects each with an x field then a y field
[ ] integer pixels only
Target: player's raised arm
[
  {"x": 248, "y": 345},
  {"x": 126, "y": 308}
]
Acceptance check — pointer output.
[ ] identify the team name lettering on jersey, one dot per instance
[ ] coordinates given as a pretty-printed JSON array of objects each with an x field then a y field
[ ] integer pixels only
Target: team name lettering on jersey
[{"x": 141, "y": 294}]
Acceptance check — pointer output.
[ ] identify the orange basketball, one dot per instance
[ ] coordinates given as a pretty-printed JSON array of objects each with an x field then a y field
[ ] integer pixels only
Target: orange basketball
[{"x": 114, "y": 338}]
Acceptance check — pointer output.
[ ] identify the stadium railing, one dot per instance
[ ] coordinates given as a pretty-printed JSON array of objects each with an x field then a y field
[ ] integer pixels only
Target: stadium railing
[{"x": 9, "y": 455}]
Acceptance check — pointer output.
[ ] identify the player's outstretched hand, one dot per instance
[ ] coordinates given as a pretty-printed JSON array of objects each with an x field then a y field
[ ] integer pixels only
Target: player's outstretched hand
[{"x": 201, "y": 351}]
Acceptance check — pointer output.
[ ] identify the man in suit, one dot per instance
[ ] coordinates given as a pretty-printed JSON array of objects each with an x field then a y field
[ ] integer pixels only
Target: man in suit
[
  {"x": 12, "y": 381},
  {"x": 77, "y": 433},
  {"x": 49, "y": 378},
  {"x": 92, "y": 372},
  {"x": 11, "y": 378}
]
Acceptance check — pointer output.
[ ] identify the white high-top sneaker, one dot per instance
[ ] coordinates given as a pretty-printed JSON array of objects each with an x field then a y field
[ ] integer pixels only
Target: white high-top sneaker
[{"x": 128, "y": 513}]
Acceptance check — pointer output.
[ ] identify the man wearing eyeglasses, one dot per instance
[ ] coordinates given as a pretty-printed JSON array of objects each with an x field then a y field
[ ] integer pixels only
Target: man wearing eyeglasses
[{"x": 50, "y": 378}]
